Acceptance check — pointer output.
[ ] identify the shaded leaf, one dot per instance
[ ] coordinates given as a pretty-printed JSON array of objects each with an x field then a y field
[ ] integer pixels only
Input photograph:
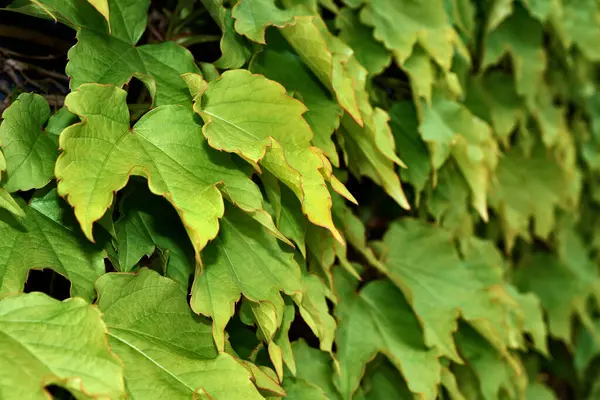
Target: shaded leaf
[
  {"x": 148, "y": 222},
  {"x": 378, "y": 319},
  {"x": 47, "y": 239},
  {"x": 423, "y": 262},
  {"x": 370, "y": 53},
  {"x": 449, "y": 128},
  {"x": 521, "y": 37}
]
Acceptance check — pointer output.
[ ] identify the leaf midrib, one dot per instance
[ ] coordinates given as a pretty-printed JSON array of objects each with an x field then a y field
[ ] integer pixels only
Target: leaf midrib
[{"x": 125, "y": 342}]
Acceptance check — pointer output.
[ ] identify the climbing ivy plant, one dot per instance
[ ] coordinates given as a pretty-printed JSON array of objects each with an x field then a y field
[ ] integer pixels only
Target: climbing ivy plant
[{"x": 357, "y": 199}]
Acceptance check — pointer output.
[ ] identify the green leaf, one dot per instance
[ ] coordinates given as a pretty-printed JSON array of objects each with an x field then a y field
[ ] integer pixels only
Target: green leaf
[
  {"x": 253, "y": 17},
  {"x": 128, "y": 18},
  {"x": 411, "y": 148},
  {"x": 378, "y": 320},
  {"x": 329, "y": 58},
  {"x": 371, "y": 147},
  {"x": 402, "y": 24},
  {"x": 73, "y": 13},
  {"x": 106, "y": 59},
  {"x": 60, "y": 120},
  {"x": 370, "y": 53},
  {"x": 47, "y": 239},
  {"x": 385, "y": 382},
  {"x": 234, "y": 49},
  {"x": 565, "y": 286},
  {"x": 102, "y": 7},
  {"x": 8, "y": 203},
  {"x": 493, "y": 98},
  {"x": 422, "y": 73},
  {"x": 315, "y": 311},
  {"x": 578, "y": 25},
  {"x": 266, "y": 128},
  {"x": 167, "y": 350},
  {"x": 265, "y": 316},
  {"x": 243, "y": 260},
  {"x": 424, "y": 263},
  {"x": 548, "y": 188},
  {"x": 45, "y": 341},
  {"x": 323, "y": 113},
  {"x": 314, "y": 374},
  {"x": 148, "y": 223},
  {"x": 449, "y": 128},
  {"x": 355, "y": 233},
  {"x": 495, "y": 373},
  {"x": 521, "y": 37},
  {"x": 449, "y": 202},
  {"x": 179, "y": 165},
  {"x": 30, "y": 151}
]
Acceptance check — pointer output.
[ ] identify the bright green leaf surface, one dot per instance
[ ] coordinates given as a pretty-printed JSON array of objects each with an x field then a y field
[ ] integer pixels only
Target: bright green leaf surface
[
  {"x": 166, "y": 146},
  {"x": 7, "y": 202},
  {"x": 72, "y": 352},
  {"x": 328, "y": 58},
  {"x": 30, "y": 152},
  {"x": 323, "y": 113},
  {"x": 266, "y": 127},
  {"x": 253, "y": 17},
  {"x": 160, "y": 340}
]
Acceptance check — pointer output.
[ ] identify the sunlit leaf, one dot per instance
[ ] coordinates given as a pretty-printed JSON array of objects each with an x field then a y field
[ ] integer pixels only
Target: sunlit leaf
[{"x": 72, "y": 352}]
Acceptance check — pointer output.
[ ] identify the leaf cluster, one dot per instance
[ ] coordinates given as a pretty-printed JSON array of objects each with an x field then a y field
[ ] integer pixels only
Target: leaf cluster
[{"x": 357, "y": 199}]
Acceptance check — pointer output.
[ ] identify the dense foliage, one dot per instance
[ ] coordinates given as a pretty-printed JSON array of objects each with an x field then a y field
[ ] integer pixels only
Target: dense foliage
[{"x": 357, "y": 199}]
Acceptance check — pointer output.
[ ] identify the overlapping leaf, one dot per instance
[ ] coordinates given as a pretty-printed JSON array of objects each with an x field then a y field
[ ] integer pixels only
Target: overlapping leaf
[
  {"x": 265, "y": 127},
  {"x": 520, "y": 36},
  {"x": 30, "y": 152},
  {"x": 450, "y": 129},
  {"x": 371, "y": 147},
  {"x": 151, "y": 328},
  {"x": 149, "y": 223},
  {"x": 564, "y": 284},
  {"x": 495, "y": 373},
  {"x": 314, "y": 377},
  {"x": 46, "y": 238},
  {"x": 72, "y": 352},
  {"x": 400, "y": 25},
  {"x": 378, "y": 319},
  {"x": 423, "y": 262},
  {"x": 548, "y": 187},
  {"x": 243, "y": 259},
  {"x": 323, "y": 113},
  {"x": 166, "y": 146}
]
